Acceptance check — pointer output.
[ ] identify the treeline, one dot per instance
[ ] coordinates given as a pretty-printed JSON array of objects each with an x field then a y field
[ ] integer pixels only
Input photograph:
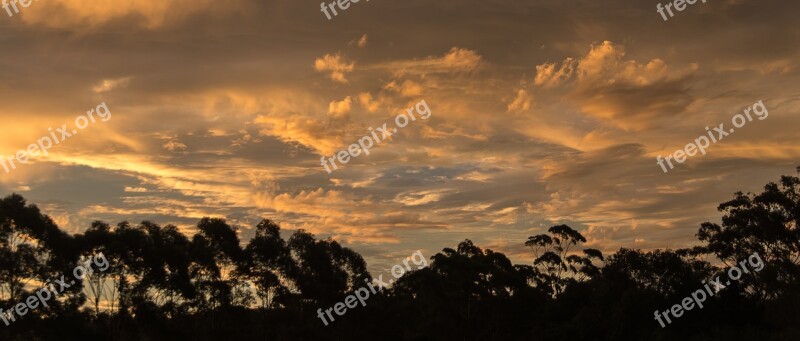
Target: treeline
[{"x": 164, "y": 285}]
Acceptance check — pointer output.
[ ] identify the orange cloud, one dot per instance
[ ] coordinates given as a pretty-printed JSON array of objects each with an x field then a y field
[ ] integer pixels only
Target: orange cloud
[
  {"x": 337, "y": 66},
  {"x": 307, "y": 131},
  {"x": 339, "y": 109},
  {"x": 626, "y": 93},
  {"x": 520, "y": 103},
  {"x": 84, "y": 14},
  {"x": 456, "y": 60}
]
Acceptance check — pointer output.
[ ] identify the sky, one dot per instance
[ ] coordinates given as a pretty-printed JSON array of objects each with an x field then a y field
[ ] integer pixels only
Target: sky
[{"x": 543, "y": 112}]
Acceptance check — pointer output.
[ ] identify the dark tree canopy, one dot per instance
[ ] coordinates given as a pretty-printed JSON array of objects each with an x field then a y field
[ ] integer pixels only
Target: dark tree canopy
[{"x": 162, "y": 284}]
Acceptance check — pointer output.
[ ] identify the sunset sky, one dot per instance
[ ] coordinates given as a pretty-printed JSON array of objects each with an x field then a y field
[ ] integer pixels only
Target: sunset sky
[{"x": 545, "y": 112}]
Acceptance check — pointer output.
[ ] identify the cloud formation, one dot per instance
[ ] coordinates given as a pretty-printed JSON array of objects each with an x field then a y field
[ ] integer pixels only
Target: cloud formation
[
  {"x": 550, "y": 114},
  {"x": 337, "y": 66}
]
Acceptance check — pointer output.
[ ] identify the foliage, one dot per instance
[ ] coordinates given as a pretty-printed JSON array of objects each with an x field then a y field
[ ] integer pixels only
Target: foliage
[{"x": 164, "y": 285}]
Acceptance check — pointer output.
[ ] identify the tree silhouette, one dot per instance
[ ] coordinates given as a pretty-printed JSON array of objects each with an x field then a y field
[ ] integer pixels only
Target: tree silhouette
[
  {"x": 325, "y": 270},
  {"x": 163, "y": 284},
  {"x": 484, "y": 293},
  {"x": 166, "y": 282},
  {"x": 269, "y": 264},
  {"x": 765, "y": 224},
  {"x": 216, "y": 251},
  {"x": 556, "y": 267},
  {"x": 33, "y": 250}
]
